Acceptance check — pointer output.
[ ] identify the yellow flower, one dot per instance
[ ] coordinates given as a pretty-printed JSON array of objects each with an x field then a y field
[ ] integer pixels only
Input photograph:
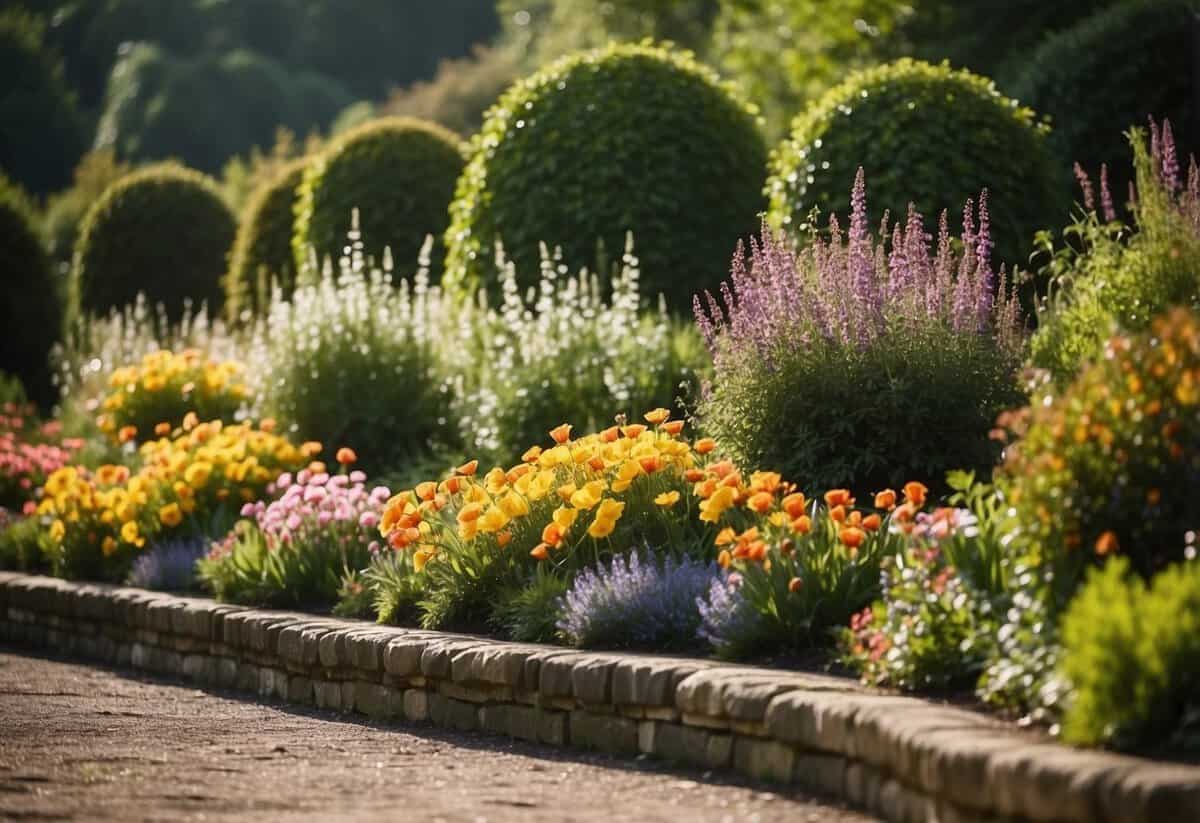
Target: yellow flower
[
  {"x": 564, "y": 517},
  {"x": 109, "y": 545},
  {"x": 198, "y": 473},
  {"x": 58, "y": 530},
  {"x": 607, "y": 515},
  {"x": 589, "y": 495},
  {"x": 720, "y": 500},
  {"x": 493, "y": 520},
  {"x": 420, "y": 557},
  {"x": 656, "y": 416},
  {"x": 170, "y": 515},
  {"x": 514, "y": 505},
  {"x": 667, "y": 499},
  {"x": 129, "y": 533}
]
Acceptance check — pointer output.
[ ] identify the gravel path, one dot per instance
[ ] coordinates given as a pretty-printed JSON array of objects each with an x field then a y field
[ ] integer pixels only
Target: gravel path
[{"x": 87, "y": 743}]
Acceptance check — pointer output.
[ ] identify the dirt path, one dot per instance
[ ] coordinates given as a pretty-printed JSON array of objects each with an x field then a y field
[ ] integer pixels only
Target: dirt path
[{"x": 87, "y": 743}]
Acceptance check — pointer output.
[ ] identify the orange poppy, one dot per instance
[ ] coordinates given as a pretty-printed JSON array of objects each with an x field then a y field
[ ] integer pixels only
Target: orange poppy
[
  {"x": 346, "y": 456},
  {"x": 794, "y": 504},
  {"x": 539, "y": 552},
  {"x": 469, "y": 468},
  {"x": 657, "y": 416},
  {"x": 673, "y": 427},
  {"x": 1107, "y": 544},
  {"x": 561, "y": 433},
  {"x": 872, "y": 522},
  {"x": 633, "y": 430},
  {"x": 838, "y": 497},
  {"x": 915, "y": 492},
  {"x": 885, "y": 500},
  {"x": 760, "y": 502},
  {"x": 852, "y": 537},
  {"x": 705, "y": 445}
]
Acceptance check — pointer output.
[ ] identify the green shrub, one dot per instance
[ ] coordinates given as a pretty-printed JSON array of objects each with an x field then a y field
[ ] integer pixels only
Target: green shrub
[
  {"x": 626, "y": 138},
  {"x": 530, "y": 614},
  {"x": 262, "y": 252},
  {"x": 41, "y": 133},
  {"x": 30, "y": 309},
  {"x": 399, "y": 173},
  {"x": 21, "y": 541},
  {"x": 1110, "y": 71},
  {"x": 164, "y": 231},
  {"x": 1132, "y": 655},
  {"x": 925, "y": 134},
  {"x": 1107, "y": 275},
  {"x": 1111, "y": 463}
]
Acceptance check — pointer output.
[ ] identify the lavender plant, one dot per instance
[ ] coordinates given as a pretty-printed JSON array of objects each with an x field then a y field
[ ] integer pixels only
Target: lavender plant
[
  {"x": 729, "y": 622},
  {"x": 169, "y": 566},
  {"x": 639, "y": 602},
  {"x": 861, "y": 362}
]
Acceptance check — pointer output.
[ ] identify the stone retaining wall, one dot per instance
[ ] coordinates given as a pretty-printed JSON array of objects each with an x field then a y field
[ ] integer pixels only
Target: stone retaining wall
[{"x": 899, "y": 757}]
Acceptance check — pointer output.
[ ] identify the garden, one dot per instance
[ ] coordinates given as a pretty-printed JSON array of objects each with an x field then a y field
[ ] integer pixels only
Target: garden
[{"x": 639, "y": 326}]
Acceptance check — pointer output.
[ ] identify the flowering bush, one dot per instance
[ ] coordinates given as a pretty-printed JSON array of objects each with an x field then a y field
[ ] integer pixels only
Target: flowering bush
[
  {"x": 298, "y": 547},
  {"x": 562, "y": 351},
  {"x": 569, "y": 504},
  {"x": 189, "y": 483},
  {"x": 169, "y": 565},
  {"x": 820, "y": 353},
  {"x": 349, "y": 358},
  {"x": 643, "y": 603},
  {"x": 153, "y": 396},
  {"x": 728, "y": 621},
  {"x": 29, "y": 453},
  {"x": 1108, "y": 274}
]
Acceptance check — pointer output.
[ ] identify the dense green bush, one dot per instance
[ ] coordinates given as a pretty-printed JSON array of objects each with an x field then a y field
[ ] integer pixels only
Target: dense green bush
[
  {"x": 626, "y": 138},
  {"x": 1107, "y": 275},
  {"x": 30, "y": 308},
  {"x": 1112, "y": 463},
  {"x": 1132, "y": 655},
  {"x": 924, "y": 134},
  {"x": 1111, "y": 71},
  {"x": 398, "y": 172},
  {"x": 164, "y": 231},
  {"x": 41, "y": 133},
  {"x": 262, "y": 251}
]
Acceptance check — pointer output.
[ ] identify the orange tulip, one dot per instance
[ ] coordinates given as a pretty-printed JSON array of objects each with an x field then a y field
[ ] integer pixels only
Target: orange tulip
[
  {"x": 904, "y": 513},
  {"x": 693, "y": 475},
  {"x": 452, "y": 484},
  {"x": 725, "y": 536},
  {"x": 1107, "y": 543},
  {"x": 838, "y": 514},
  {"x": 724, "y": 559},
  {"x": 852, "y": 537},
  {"x": 503, "y": 538},
  {"x": 872, "y": 522},
  {"x": 760, "y": 502},
  {"x": 346, "y": 456},
  {"x": 705, "y": 445},
  {"x": 470, "y": 512},
  {"x": 722, "y": 468},
  {"x": 838, "y": 497},
  {"x": 468, "y": 469},
  {"x": 561, "y": 433},
  {"x": 540, "y": 552},
  {"x": 795, "y": 584},
  {"x": 610, "y": 434},
  {"x": 552, "y": 535},
  {"x": 633, "y": 431},
  {"x": 596, "y": 463},
  {"x": 426, "y": 490},
  {"x": 162, "y": 429},
  {"x": 127, "y": 433},
  {"x": 650, "y": 464},
  {"x": 756, "y": 551},
  {"x": 802, "y": 524},
  {"x": 706, "y": 488},
  {"x": 794, "y": 504},
  {"x": 915, "y": 492},
  {"x": 885, "y": 500},
  {"x": 673, "y": 427},
  {"x": 656, "y": 416}
]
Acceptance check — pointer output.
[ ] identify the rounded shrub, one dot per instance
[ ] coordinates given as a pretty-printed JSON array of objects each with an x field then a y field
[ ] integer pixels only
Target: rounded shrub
[
  {"x": 1110, "y": 71},
  {"x": 1112, "y": 463},
  {"x": 925, "y": 134},
  {"x": 164, "y": 231},
  {"x": 29, "y": 308},
  {"x": 398, "y": 172},
  {"x": 625, "y": 138},
  {"x": 263, "y": 248}
]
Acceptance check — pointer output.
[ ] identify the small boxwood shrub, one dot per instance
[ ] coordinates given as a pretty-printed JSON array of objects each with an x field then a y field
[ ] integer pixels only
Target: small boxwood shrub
[
  {"x": 398, "y": 172},
  {"x": 30, "y": 308},
  {"x": 164, "y": 231},
  {"x": 1132, "y": 654},
  {"x": 262, "y": 251},
  {"x": 1127, "y": 62},
  {"x": 626, "y": 138},
  {"x": 1112, "y": 464},
  {"x": 925, "y": 134}
]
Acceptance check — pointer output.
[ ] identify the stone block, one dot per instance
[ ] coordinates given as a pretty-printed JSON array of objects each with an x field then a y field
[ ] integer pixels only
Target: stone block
[
  {"x": 332, "y": 650},
  {"x": 554, "y": 675},
  {"x": 693, "y": 746},
  {"x": 227, "y": 672},
  {"x": 591, "y": 680},
  {"x": 327, "y": 694},
  {"x": 416, "y": 705},
  {"x": 650, "y": 682},
  {"x": 402, "y": 654},
  {"x": 606, "y": 732},
  {"x": 371, "y": 699},
  {"x": 247, "y": 678},
  {"x": 862, "y": 784},
  {"x": 500, "y": 664},
  {"x": 475, "y": 694},
  {"x": 820, "y": 773},
  {"x": 453, "y": 714},
  {"x": 764, "y": 759},
  {"x": 300, "y": 690}
]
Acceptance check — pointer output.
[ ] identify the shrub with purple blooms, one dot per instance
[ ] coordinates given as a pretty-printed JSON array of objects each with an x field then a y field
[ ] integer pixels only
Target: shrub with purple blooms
[
  {"x": 297, "y": 548},
  {"x": 170, "y": 565},
  {"x": 729, "y": 622},
  {"x": 639, "y": 602},
  {"x": 861, "y": 360}
]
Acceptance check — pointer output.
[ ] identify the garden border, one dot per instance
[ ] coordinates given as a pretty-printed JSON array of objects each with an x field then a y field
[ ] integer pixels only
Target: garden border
[{"x": 902, "y": 758}]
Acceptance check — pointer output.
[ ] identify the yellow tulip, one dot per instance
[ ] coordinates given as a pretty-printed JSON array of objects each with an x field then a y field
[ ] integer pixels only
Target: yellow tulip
[
  {"x": 170, "y": 515},
  {"x": 667, "y": 499}
]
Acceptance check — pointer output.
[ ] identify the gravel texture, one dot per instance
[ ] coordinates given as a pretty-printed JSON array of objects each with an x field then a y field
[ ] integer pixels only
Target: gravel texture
[{"x": 88, "y": 743}]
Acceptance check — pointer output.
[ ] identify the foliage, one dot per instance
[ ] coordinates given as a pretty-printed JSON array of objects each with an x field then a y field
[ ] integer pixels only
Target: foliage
[
  {"x": 1106, "y": 274},
  {"x": 397, "y": 172},
  {"x": 393, "y": 586},
  {"x": 925, "y": 134},
  {"x": 41, "y": 132},
  {"x": 1132, "y": 653},
  {"x": 563, "y": 352},
  {"x": 243, "y": 175},
  {"x": 169, "y": 565},
  {"x": 601, "y": 143},
  {"x": 29, "y": 453},
  {"x": 821, "y": 352},
  {"x": 163, "y": 231},
  {"x": 644, "y": 603},
  {"x": 1112, "y": 463},
  {"x": 153, "y": 97},
  {"x": 1128, "y": 62},
  {"x": 729, "y": 622},
  {"x": 461, "y": 91},
  {"x": 531, "y": 614},
  {"x": 358, "y": 334},
  {"x": 298, "y": 549},
  {"x": 30, "y": 309},
  {"x": 64, "y": 212},
  {"x": 165, "y": 388},
  {"x": 189, "y": 483},
  {"x": 262, "y": 251}
]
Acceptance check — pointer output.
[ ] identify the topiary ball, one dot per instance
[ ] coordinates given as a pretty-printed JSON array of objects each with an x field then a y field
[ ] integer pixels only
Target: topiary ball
[
  {"x": 1112, "y": 463},
  {"x": 1111, "y": 71},
  {"x": 262, "y": 251},
  {"x": 625, "y": 138},
  {"x": 926, "y": 134},
  {"x": 397, "y": 171},
  {"x": 164, "y": 231},
  {"x": 30, "y": 308}
]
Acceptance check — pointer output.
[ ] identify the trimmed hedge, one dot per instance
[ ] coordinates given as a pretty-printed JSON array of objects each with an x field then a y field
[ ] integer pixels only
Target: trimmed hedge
[
  {"x": 30, "y": 310},
  {"x": 397, "y": 171},
  {"x": 926, "y": 134},
  {"x": 164, "y": 231},
  {"x": 1109, "y": 72},
  {"x": 262, "y": 250},
  {"x": 624, "y": 138}
]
